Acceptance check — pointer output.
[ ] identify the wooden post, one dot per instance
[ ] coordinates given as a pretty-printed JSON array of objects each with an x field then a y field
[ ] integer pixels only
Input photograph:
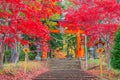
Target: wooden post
[
  {"x": 25, "y": 64},
  {"x": 80, "y": 50},
  {"x": 100, "y": 44},
  {"x": 100, "y": 51},
  {"x": 86, "y": 52},
  {"x": 78, "y": 44},
  {"x": 101, "y": 71},
  {"x": 44, "y": 53},
  {"x": 26, "y": 51}
]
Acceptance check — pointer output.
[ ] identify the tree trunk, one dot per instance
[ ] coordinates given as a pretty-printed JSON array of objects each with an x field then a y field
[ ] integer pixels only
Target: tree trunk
[
  {"x": 1, "y": 55},
  {"x": 108, "y": 57},
  {"x": 14, "y": 55},
  {"x": 1, "y": 60}
]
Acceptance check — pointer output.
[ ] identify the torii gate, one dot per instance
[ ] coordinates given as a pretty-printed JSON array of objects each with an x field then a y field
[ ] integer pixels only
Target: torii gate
[{"x": 79, "y": 51}]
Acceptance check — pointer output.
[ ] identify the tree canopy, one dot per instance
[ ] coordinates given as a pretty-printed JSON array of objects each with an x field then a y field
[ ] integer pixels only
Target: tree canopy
[
  {"x": 23, "y": 17},
  {"x": 96, "y": 18}
]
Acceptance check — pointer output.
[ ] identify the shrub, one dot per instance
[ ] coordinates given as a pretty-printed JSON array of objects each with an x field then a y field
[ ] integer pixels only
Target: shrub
[{"x": 115, "y": 52}]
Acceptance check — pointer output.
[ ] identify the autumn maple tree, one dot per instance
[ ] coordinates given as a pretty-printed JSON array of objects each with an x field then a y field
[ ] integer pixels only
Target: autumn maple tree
[
  {"x": 93, "y": 17},
  {"x": 98, "y": 19},
  {"x": 19, "y": 17}
]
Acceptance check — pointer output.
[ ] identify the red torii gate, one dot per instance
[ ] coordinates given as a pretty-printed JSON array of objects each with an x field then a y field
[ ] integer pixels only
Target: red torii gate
[{"x": 79, "y": 51}]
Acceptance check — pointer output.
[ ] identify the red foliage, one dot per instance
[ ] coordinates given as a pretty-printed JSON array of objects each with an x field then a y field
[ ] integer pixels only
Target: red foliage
[
  {"x": 94, "y": 17},
  {"x": 106, "y": 31},
  {"x": 23, "y": 17},
  {"x": 19, "y": 74}
]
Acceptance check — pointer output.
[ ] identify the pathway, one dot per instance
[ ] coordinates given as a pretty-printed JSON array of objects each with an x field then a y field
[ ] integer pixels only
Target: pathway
[{"x": 65, "y": 69}]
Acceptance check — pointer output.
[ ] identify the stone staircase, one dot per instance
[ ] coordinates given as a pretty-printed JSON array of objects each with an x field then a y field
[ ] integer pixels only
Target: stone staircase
[
  {"x": 65, "y": 69},
  {"x": 58, "y": 64}
]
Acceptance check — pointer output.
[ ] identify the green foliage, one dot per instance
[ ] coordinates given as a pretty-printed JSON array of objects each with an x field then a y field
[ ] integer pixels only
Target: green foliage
[
  {"x": 115, "y": 52},
  {"x": 64, "y": 42},
  {"x": 55, "y": 17},
  {"x": 52, "y": 21},
  {"x": 32, "y": 47},
  {"x": 22, "y": 56},
  {"x": 31, "y": 56},
  {"x": 7, "y": 53},
  {"x": 56, "y": 41},
  {"x": 65, "y": 4},
  {"x": 21, "y": 14}
]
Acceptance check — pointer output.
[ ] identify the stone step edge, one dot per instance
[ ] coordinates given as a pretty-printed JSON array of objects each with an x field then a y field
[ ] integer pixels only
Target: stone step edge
[{"x": 68, "y": 78}]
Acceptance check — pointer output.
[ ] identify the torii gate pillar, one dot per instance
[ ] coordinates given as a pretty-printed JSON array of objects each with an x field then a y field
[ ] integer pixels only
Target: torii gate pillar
[
  {"x": 44, "y": 53},
  {"x": 79, "y": 50}
]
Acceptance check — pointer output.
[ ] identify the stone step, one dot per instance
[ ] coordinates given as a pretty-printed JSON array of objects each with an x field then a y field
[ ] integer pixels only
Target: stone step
[
  {"x": 66, "y": 79},
  {"x": 64, "y": 65},
  {"x": 65, "y": 75},
  {"x": 62, "y": 69},
  {"x": 53, "y": 62},
  {"x": 64, "y": 60},
  {"x": 65, "y": 69}
]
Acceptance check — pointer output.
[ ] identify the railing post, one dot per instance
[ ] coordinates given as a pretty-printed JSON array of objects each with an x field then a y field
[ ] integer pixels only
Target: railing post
[{"x": 86, "y": 52}]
